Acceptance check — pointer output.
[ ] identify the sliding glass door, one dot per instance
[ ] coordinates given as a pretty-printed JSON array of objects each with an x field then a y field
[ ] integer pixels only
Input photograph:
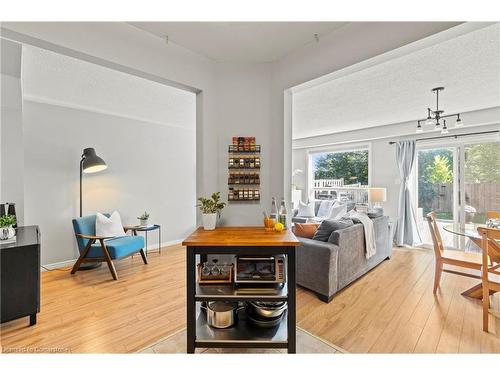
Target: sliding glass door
[
  {"x": 437, "y": 178},
  {"x": 460, "y": 182}
]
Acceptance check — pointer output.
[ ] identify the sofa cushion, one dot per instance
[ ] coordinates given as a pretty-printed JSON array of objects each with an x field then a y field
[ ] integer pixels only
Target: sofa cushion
[
  {"x": 324, "y": 208},
  {"x": 337, "y": 211},
  {"x": 305, "y": 230},
  {"x": 306, "y": 210},
  {"x": 118, "y": 247},
  {"x": 328, "y": 226}
]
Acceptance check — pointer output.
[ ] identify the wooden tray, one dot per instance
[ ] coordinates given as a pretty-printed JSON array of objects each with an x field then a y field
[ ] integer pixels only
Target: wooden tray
[{"x": 214, "y": 279}]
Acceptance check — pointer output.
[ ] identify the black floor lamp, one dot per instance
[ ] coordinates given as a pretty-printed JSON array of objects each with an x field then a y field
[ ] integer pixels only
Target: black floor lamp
[{"x": 90, "y": 163}]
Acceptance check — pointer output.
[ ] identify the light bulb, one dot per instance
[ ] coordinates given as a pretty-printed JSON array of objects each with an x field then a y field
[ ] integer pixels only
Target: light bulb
[
  {"x": 429, "y": 121},
  {"x": 437, "y": 125},
  {"x": 458, "y": 123},
  {"x": 445, "y": 128},
  {"x": 419, "y": 128}
]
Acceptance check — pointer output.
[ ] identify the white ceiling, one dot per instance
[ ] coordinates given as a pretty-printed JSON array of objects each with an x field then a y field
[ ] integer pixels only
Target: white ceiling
[
  {"x": 399, "y": 90},
  {"x": 240, "y": 41},
  {"x": 61, "y": 80}
]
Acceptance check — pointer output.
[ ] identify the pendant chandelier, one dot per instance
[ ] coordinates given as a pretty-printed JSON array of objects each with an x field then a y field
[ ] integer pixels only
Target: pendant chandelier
[{"x": 436, "y": 119}]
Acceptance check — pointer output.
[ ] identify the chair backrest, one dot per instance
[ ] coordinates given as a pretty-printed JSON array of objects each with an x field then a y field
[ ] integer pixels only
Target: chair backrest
[
  {"x": 489, "y": 243},
  {"x": 436, "y": 235},
  {"x": 493, "y": 214},
  {"x": 84, "y": 225}
]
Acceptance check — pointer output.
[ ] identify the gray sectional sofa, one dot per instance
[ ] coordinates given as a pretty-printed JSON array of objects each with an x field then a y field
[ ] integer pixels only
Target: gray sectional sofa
[{"x": 327, "y": 267}]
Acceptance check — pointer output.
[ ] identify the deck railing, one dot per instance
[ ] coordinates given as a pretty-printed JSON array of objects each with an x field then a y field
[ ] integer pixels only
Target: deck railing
[{"x": 335, "y": 189}]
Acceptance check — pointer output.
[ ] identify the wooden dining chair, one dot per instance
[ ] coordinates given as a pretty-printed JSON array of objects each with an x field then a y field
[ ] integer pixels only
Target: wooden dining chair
[
  {"x": 471, "y": 261},
  {"x": 493, "y": 214},
  {"x": 491, "y": 266}
]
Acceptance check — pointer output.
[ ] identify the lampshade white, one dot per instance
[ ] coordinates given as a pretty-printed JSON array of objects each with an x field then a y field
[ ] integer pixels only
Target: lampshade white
[{"x": 377, "y": 195}]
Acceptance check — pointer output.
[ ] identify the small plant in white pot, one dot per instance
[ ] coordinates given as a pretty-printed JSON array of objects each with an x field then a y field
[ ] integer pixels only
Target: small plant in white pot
[
  {"x": 6, "y": 227},
  {"x": 143, "y": 219},
  {"x": 210, "y": 209}
]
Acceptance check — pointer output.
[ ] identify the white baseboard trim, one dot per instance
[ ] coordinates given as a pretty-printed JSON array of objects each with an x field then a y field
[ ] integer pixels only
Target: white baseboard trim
[{"x": 70, "y": 262}]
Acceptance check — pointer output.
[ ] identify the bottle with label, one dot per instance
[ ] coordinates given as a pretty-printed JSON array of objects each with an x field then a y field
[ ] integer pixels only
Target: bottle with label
[
  {"x": 283, "y": 213},
  {"x": 274, "y": 210}
]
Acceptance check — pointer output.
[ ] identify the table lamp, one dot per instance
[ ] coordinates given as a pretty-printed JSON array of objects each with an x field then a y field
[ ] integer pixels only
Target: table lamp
[{"x": 376, "y": 196}]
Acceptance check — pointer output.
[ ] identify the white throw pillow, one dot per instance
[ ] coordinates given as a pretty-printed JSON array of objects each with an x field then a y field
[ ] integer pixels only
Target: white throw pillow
[
  {"x": 306, "y": 210},
  {"x": 324, "y": 208},
  {"x": 337, "y": 211},
  {"x": 109, "y": 227}
]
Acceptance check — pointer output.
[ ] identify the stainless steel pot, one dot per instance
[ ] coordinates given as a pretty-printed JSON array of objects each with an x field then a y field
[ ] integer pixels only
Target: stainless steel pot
[
  {"x": 221, "y": 314},
  {"x": 268, "y": 309}
]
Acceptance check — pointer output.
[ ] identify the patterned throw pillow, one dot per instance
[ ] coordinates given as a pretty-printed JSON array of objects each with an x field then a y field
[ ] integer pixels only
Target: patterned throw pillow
[{"x": 305, "y": 230}]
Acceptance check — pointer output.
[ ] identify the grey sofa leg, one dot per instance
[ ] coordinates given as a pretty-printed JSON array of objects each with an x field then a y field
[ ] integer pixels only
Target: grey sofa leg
[{"x": 323, "y": 298}]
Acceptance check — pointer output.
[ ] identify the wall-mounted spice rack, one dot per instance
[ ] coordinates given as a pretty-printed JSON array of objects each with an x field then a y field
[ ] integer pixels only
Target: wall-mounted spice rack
[
  {"x": 242, "y": 194},
  {"x": 244, "y": 164}
]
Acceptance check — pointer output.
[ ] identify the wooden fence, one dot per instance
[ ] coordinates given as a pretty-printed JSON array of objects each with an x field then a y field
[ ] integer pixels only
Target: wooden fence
[{"x": 482, "y": 196}]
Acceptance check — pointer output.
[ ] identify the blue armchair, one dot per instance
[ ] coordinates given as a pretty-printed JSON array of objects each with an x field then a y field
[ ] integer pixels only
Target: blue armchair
[{"x": 107, "y": 248}]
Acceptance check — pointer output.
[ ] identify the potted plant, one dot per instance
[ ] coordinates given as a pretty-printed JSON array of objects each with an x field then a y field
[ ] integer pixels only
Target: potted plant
[
  {"x": 6, "y": 229},
  {"x": 144, "y": 219},
  {"x": 210, "y": 209}
]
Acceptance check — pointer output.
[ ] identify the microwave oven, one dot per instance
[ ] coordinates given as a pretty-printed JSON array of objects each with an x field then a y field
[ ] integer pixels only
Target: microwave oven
[{"x": 258, "y": 269}]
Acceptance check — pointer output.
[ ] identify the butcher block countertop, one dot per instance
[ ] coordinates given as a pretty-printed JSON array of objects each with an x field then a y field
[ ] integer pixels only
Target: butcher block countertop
[{"x": 240, "y": 236}]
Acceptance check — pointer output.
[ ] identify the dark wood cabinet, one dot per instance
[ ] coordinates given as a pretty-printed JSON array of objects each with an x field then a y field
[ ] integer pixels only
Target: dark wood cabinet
[{"x": 20, "y": 275}]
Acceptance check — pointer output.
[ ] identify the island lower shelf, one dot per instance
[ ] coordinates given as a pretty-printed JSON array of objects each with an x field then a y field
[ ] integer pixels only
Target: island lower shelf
[
  {"x": 242, "y": 334},
  {"x": 230, "y": 293}
]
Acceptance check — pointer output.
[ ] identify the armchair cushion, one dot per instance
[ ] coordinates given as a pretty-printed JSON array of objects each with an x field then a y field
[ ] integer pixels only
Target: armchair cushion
[{"x": 118, "y": 247}]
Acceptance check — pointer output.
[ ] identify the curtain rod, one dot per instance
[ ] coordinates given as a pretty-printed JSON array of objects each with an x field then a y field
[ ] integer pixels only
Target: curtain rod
[{"x": 451, "y": 136}]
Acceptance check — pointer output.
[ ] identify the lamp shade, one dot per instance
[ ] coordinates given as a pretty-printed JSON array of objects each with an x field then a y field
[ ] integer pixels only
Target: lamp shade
[
  {"x": 377, "y": 194},
  {"x": 92, "y": 163}
]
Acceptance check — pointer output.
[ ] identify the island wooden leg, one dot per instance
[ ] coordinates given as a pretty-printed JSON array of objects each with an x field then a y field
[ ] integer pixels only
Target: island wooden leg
[
  {"x": 292, "y": 330},
  {"x": 191, "y": 303}
]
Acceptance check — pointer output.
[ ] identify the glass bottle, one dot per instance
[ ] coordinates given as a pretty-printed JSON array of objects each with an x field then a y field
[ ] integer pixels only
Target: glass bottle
[
  {"x": 274, "y": 210},
  {"x": 283, "y": 213}
]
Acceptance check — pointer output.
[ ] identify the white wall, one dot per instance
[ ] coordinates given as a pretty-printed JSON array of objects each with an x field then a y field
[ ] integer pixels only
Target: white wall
[
  {"x": 243, "y": 109},
  {"x": 11, "y": 155},
  {"x": 148, "y": 166},
  {"x": 144, "y": 130}
]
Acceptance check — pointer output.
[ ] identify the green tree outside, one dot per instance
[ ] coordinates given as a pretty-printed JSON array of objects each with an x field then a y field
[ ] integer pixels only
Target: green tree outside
[{"x": 352, "y": 166}]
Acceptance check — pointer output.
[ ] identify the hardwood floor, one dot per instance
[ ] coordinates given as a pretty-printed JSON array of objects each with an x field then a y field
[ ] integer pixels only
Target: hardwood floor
[
  {"x": 391, "y": 309},
  {"x": 90, "y": 313}
]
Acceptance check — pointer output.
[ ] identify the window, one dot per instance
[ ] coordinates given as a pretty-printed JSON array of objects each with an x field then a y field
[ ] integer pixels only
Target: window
[{"x": 333, "y": 169}]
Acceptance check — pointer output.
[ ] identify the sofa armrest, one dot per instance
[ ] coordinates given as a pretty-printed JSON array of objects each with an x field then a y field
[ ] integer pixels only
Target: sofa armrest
[
  {"x": 317, "y": 266},
  {"x": 346, "y": 234}
]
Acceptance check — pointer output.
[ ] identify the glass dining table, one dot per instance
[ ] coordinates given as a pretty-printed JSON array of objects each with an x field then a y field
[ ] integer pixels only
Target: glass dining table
[{"x": 469, "y": 230}]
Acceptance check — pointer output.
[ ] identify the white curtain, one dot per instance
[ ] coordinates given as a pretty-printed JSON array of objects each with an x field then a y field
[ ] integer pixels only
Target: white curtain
[{"x": 406, "y": 232}]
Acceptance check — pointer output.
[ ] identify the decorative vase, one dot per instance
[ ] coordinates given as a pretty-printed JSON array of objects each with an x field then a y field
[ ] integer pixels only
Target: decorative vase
[
  {"x": 209, "y": 221},
  {"x": 7, "y": 232},
  {"x": 144, "y": 222}
]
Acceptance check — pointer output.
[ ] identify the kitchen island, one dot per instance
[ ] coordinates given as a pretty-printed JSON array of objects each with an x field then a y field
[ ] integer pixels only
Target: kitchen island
[{"x": 240, "y": 241}]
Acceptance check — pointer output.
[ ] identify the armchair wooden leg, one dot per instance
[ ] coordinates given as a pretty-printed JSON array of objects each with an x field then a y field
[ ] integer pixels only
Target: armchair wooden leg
[
  {"x": 437, "y": 275},
  {"x": 144, "y": 257},
  {"x": 81, "y": 257},
  {"x": 111, "y": 266}
]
